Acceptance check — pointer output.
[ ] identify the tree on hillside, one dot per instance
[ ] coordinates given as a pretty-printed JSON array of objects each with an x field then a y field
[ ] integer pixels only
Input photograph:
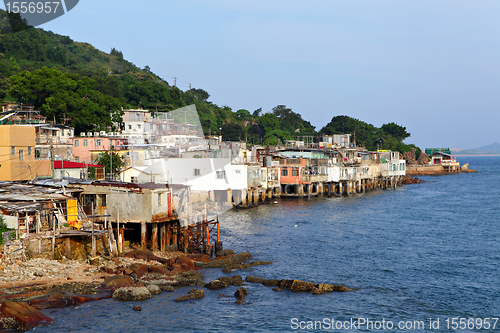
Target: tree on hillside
[
  {"x": 398, "y": 132},
  {"x": 233, "y": 132},
  {"x": 59, "y": 95}
]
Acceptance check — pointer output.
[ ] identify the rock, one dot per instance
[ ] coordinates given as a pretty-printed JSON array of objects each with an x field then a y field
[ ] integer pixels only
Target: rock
[
  {"x": 137, "y": 308},
  {"x": 182, "y": 260},
  {"x": 225, "y": 281},
  {"x": 192, "y": 294},
  {"x": 240, "y": 295},
  {"x": 141, "y": 270},
  {"x": 327, "y": 288},
  {"x": 118, "y": 281},
  {"x": 21, "y": 316},
  {"x": 227, "y": 261},
  {"x": 132, "y": 293},
  {"x": 225, "y": 253},
  {"x": 254, "y": 279},
  {"x": 153, "y": 289},
  {"x": 271, "y": 283},
  {"x": 216, "y": 284},
  {"x": 167, "y": 288},
  {"x": 190, "y": 278},
  {"x": 159, "y": 270},
  {"x": 298, "y": 286},
  {"x": 127, "y": 271}
]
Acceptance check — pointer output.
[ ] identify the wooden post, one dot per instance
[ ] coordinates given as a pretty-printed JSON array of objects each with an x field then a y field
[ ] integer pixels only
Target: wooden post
[
  {"x": 168, "y": 236},
  {"x": 118, "y": 235},
  {"x": 208, "y": 234},
  {"x": 67, "y": 245},
  {"x": 163, "y": 234},
  {"x": 218, "y": 231},
  {"x": 186, "y": 239},
  {"x": 143, "y": 235},
  {"x": 38, "y": 222},
  {"x": 93, "y": 235},
  {"x": 122, "y": 237},
  {"x": 175, "y": 231},
  {"x": 53, "y": 241},
  {"x": 154, "y": 236}
]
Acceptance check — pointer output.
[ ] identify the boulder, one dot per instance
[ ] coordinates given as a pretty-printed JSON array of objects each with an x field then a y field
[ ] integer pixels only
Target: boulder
[
  {"x": 153, "y": 289},
  {"x": 192, "y": 294},
  {"x": 159, "y": 270},
  {"x": 216, "y": 284},
  {"x": 132, "y": 293},
  {"x": 225, "y": 253},
  {"x": 254, "y": 279},
  {"x": 240, "y": 295},
  {"x": 225, "y": 281},
  {"x": 21, "y": 316},
  {"x": 118, "y": 281},
  {"x": 141, "y": 270},
  {"x": 182, "y": 260},
  {"x": 299, "y": 286},
  {"x": 271, "y": 283}
]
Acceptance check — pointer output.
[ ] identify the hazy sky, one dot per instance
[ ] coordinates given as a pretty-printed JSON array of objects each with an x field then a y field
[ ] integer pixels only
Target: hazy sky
[{"x": 432, "y": 66}]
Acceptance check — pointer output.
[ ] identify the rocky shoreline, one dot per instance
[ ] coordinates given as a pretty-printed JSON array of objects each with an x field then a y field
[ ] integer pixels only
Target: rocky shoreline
[{"x": 26, "y": 287}]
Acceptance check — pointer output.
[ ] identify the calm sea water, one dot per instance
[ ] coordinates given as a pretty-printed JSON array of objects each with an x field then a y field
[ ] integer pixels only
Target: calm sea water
[{"x": 421, "y": 252}]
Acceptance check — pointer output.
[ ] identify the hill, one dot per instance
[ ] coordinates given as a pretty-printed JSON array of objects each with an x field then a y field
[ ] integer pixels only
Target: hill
[
  {"x": 66, "y": 79},
  {"x": 491, "y": 149}
]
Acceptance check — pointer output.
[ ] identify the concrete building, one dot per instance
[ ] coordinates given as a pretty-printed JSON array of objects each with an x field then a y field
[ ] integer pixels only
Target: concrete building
[{"x": 17, "y": 154}]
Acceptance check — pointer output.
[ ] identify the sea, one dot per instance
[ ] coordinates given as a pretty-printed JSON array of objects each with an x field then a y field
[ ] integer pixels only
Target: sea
[{"x": 419, "y": 258}]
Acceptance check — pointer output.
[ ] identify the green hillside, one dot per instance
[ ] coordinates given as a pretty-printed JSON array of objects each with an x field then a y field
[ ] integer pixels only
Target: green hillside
[{"x": 68, "y": 79}]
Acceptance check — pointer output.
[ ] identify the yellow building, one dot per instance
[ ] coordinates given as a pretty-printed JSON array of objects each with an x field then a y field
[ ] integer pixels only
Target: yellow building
[{"x": 17, "y": 154}]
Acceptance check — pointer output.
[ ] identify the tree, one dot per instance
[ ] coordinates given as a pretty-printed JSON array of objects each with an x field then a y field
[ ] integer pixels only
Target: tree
[
  {"x": 243, "y": 114},
  {"x": 398, "y": 132},
  {"x": 232, "y": 132},
  {"x": 256, "y": 113},
  {"x": 111, "y": 161},
  {"x": 60, "y": 95}
]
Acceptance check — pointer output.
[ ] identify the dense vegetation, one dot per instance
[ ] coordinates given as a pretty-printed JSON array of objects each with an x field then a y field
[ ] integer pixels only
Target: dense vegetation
[{"x": 70, "y": 80}]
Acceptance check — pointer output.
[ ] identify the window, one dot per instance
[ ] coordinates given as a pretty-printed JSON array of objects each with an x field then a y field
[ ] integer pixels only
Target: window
[
  {"x": 85, "y": 143},
  {"x": 160, "y": 199},
  {"x": 295, "y": 171},
  {"x": 139, "y": 126},
  {"x": 29, "y": 151},
  {"x": 221, "y": 174},
  {"x": 196, "y": 172},
  {"x": 284, "y": 172},
  {"x": 133, "y": 180},
  {"x": 98, "y": 142},
  {"x": 129, "y": 126},
  {"x": 21, "y": 155},
  {"x": 77, "y": 143},
  {"x": 13, "y": 151}
]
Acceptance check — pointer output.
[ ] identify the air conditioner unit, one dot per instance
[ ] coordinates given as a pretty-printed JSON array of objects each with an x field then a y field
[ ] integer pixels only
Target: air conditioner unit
[
  {"x": 82, "y": 134},
  {"x": 96, "y": 133},
  {"x": 102, "y": 133},
  {"x": 89, "y": 133}
]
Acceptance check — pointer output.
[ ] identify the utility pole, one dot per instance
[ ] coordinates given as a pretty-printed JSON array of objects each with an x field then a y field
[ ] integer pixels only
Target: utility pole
[
  {"x": 52, "y": 158},
  {"x": 132, "y": 152},
  {"x": 175, "y": 82},
  {"x": 190, "y": 88}
]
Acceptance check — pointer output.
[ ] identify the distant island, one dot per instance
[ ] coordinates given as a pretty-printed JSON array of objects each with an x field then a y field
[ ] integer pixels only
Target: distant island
[{"x": 492, "y": 149}]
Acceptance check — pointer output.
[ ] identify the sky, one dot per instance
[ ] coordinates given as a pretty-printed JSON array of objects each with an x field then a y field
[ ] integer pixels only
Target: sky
[{"x": 431, "y": 66}]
